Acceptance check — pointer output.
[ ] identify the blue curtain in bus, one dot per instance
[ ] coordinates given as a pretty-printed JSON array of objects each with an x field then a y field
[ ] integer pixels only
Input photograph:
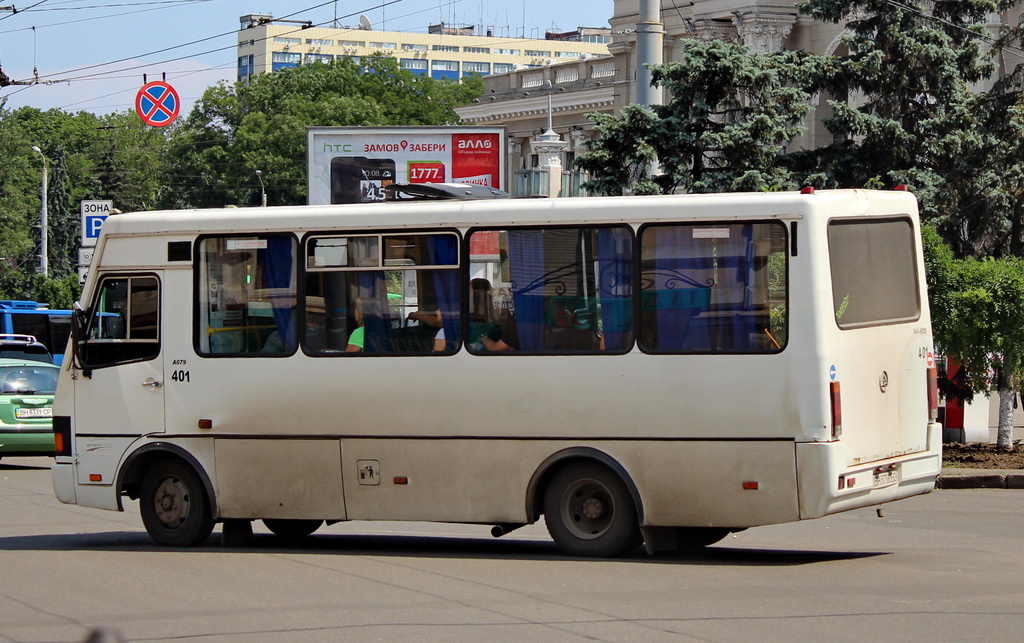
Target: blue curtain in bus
[
  {"x": 615, "y": 270},
  {"x": 376, "y": 317},
  {"x": 278, "y": 268},
  {"x": 526, "y": 265},
  {"x": 444, "y": 250},
  {"x": 680, "y": 290},
  {"x": 736, "y": 295}
]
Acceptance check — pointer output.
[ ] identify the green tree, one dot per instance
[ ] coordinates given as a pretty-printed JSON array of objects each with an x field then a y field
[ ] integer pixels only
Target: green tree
[
  {"x": 20, "y": 176},
  {"x": 127, "y": 159},
  {"x": 261, "y": 124},
  {"x": 904, "y": 112},
  {"x": 976, "y": 319},
  {"x": 723, "y": 130}
]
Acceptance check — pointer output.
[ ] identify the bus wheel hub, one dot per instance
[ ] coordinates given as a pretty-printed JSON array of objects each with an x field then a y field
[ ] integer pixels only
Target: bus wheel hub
[{"x": 593, "y": 509}]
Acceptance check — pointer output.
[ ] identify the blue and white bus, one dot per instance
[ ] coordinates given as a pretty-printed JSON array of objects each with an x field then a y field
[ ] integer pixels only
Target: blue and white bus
[{"x": 49, "y": 326}]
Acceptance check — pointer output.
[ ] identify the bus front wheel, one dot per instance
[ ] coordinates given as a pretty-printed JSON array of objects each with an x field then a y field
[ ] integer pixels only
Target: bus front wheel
[
  {"x": 590, "y": 512},
  {"x": 174, "y": 506}
]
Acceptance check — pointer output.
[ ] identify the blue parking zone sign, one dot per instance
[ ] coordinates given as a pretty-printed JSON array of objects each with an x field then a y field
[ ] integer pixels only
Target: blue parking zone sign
[{"x": 94, "y": 213}]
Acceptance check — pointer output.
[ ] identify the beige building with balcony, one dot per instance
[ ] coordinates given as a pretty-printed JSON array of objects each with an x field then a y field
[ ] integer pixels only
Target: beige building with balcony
[{"x": 266, "y": 45}]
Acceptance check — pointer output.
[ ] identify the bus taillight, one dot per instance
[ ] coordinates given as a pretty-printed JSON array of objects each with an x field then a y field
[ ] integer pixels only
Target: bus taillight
[
  {"x": 837, "y": 410},
  {"x": 933, "y": 394},
  {"x": 62, "y": 434}
]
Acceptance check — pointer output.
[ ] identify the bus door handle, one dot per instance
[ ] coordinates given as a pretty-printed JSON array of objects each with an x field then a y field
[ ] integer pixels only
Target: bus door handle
[{"x": 152, "y": 383}]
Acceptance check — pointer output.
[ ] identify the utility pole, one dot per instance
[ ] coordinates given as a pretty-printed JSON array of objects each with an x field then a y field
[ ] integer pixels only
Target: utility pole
[
  {"x": 649, "y": 35},
  {"x": 44, "y": 251}
]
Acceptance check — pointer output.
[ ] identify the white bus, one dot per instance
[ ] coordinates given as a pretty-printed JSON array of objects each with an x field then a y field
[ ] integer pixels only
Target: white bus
[{"x": 664, "y": 370}]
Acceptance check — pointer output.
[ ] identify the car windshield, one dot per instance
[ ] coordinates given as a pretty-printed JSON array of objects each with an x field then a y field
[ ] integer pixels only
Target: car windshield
[{"x": 28, "y": 380}]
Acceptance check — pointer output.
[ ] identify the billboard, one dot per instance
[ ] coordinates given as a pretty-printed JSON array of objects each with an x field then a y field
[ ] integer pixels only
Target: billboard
[{"x": 353, "y": 164}]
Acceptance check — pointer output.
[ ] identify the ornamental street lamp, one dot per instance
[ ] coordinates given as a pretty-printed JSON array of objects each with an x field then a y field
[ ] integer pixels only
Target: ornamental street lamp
[{"x": 44, "y": 263}]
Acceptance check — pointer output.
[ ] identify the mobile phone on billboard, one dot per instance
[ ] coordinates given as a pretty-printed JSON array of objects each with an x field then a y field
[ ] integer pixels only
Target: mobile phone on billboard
[{"x": 357, "y": 179}]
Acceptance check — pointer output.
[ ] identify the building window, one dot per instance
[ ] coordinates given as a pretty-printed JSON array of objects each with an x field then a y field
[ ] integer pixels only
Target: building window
[
  {"x": 479, "y": 68},
  {"x": 285, "y": 59},
  {"x": 503, "y": 68},
  {"x": 413, "y": 47},
  {"x": 351, "y": 43},
  {"x": 506, "y": 52},
  {"x": 444, "y": 69},
  {"x": 383, "y": 46},
  {"x": 414, "y": 65},
  {"x": 537, "y": 53},
  {"x": 245, "y": 66},
  {"x": 318, "y": 58},
  {"x": 288, "y": 41},
  {"x": 319, "y": 42},
  {"x": 568, "y": 54},
  {"x": 476, "y": 50},
  {"x": 445, "y": 48}
]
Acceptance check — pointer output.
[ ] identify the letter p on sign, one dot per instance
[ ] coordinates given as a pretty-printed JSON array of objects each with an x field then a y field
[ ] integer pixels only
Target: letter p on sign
[{"x": 94, "y": 213}]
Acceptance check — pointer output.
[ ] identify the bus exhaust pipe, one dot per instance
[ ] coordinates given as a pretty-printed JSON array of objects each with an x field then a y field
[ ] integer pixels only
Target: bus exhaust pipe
[{"x": 500, "y": 530}]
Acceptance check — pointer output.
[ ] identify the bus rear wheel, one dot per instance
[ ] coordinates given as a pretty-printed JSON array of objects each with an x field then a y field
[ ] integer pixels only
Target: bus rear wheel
[
  {"x": 174, "y": 506},
  {"x": 292, "y": 528},
  {"x": 590, "y": 512}
]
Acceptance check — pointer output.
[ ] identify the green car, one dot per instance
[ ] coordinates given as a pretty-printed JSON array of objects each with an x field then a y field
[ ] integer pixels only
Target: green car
[{"x": 26, "y": 407}]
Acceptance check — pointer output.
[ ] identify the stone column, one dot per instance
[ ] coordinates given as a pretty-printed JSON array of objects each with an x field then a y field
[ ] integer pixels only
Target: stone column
[{"x": 764, "y": 33}]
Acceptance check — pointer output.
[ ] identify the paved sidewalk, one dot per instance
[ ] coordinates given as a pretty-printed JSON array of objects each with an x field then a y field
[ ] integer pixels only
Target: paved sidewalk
[{"x": 963, "y": 478}]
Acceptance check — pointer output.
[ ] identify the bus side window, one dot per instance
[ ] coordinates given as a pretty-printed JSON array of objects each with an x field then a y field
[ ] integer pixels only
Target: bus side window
[
  {"x": 124, "y": 322},
  {"x": 713, "y": 288},
  {"x": 247, "y": 296},
  {"x": 551, "y": 290},
  {"x": 382, "y": 294}
]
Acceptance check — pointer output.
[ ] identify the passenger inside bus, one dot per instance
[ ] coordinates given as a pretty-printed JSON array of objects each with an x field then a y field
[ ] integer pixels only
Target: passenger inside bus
[
  {"x": 432, "y": 319},
  {"x": 357, "y": 340},
  {"x": 485, "y": 333}
]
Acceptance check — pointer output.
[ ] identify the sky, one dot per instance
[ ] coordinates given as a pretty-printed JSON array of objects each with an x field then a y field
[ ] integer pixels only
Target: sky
[{"x": 92, "y": 55}]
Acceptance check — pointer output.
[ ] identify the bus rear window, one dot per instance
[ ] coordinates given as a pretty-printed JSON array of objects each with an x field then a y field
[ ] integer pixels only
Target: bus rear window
[{"x": 874, "y": 272}]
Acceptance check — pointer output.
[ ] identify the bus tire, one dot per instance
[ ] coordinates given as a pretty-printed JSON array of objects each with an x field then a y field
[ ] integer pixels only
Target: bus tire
[
  {"x": 286, "y": 528},
  {"x": 174, "y": 506},
  {"x": 590, "y": 512},
  {"x": 696, "y": 538}
]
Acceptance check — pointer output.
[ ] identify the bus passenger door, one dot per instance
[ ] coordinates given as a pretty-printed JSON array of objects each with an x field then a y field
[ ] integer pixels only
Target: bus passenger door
[{"x": 119, "y": 391}]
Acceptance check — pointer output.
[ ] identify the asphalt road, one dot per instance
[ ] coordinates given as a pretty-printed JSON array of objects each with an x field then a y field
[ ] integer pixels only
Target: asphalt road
[{"x": 948, "y": 566}]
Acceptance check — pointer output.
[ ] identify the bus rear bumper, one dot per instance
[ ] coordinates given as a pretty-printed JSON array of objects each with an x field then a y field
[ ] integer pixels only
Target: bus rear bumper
[
  {"x": 828, "y": 486},
  {"x": 63, "y": 478}
]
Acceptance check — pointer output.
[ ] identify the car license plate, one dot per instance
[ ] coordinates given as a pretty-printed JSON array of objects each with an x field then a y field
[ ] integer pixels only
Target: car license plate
[
  {"x": 43, "y": 412},
  {"x": 885, "y": 478}
]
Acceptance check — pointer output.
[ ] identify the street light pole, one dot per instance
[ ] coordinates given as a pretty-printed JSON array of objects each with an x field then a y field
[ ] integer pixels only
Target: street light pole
[
  {"x": 263, "y": 192},
  {"x": 44, "y": 254}
]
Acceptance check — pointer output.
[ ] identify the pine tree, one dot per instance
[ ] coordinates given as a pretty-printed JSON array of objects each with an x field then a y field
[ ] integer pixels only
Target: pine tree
[{"x": 723, "y": 130}]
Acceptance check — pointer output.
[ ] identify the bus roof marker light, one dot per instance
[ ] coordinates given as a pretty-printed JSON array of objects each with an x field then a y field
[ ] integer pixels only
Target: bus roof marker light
[
  {"x": 900, "y": 188},
  {"x": 807, "y": 189},
  {"x": 401, "y": 480},
  {"x": 205, "y": 423},
  {"x": 750, "y": 485}
]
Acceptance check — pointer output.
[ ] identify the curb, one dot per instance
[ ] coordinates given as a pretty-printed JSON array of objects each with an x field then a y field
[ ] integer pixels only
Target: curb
[{"x": 981, "y": 481}]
